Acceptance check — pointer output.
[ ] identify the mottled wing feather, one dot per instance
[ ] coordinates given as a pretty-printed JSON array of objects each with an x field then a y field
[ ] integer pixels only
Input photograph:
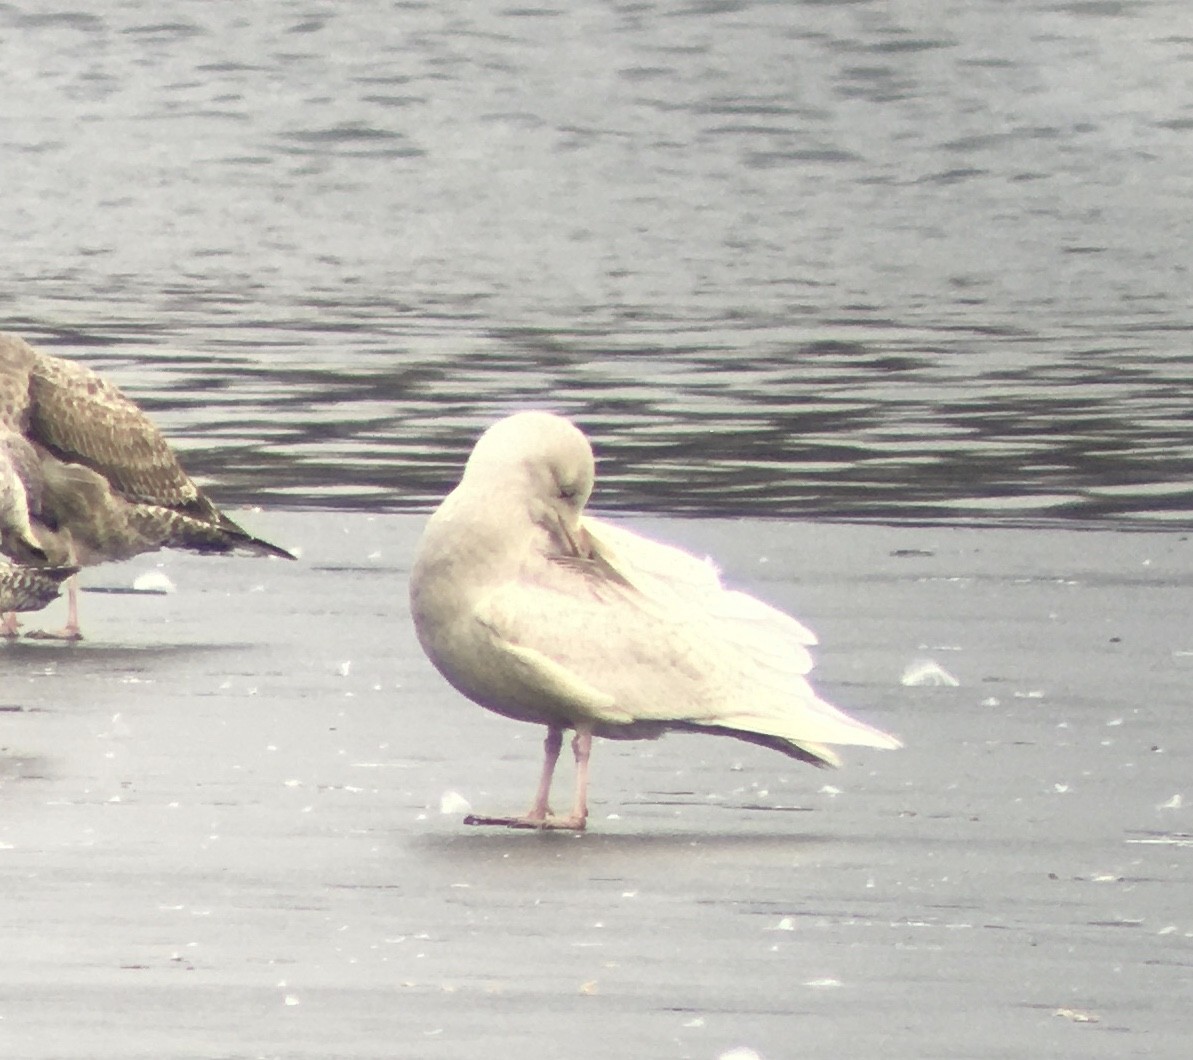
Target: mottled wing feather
[
  {"x": 83, "y": 419},
  {"x": 20, "y": 498},
  {"x": 29, "y": 588},
  {"x": 16, "y": 362},
  {"x": 98, "y": 477}
]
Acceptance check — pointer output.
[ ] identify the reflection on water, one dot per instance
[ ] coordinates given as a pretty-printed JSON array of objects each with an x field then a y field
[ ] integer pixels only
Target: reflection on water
[
  {"x": 853, "y": 260},
  {"x": 888, "y": 430}
]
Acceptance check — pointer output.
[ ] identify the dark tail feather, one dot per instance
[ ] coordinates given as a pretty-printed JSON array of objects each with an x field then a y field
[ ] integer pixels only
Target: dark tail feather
[
  {"x": 775, "y": 743},
  {"x": 240, "y": 540},
  {"x": 58, "y": 574},
  {"x": 31, "y": 588}
]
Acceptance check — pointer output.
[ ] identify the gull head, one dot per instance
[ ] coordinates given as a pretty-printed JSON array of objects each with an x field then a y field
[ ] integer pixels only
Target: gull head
[{"x": 539, "y": 459}]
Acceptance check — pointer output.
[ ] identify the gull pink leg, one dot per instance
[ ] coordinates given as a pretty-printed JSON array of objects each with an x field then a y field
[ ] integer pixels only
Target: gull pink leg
[
  {"x": 582, "y": 749},
  {"x": 71, "y": 630},
  {"x": 540, "y": 813},
  {"x": 551, "y": 747}
]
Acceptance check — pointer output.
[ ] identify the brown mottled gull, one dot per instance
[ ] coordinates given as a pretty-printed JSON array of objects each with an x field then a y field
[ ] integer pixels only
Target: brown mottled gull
[
  {"x": 29, "y": 588},
  {"x": 545, "y": 615},
  {"x": 85, "y": 477}
]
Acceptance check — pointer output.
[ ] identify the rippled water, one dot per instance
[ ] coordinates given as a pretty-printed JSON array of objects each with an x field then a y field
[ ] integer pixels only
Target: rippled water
[{"x": 862, "y": 259}]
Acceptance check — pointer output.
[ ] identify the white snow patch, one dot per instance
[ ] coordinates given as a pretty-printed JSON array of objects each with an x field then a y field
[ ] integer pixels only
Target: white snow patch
[
  {"x": 153, "y": 581},
  {"x": 927, "y": 672},
  {"x": 453, "y": 802}
]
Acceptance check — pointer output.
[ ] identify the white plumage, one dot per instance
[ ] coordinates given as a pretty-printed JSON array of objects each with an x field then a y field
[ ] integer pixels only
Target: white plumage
[{"x": 543, "y": 614}]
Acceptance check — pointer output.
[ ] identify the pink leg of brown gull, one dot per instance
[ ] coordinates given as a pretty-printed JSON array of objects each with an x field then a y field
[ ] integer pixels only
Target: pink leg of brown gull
[
  {"x": 540, "y": 813},
  {"x": 71, "y": 630}
]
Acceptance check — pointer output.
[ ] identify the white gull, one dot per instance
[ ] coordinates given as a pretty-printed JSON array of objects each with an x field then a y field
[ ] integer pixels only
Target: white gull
[{"x": 543, "y": 614}]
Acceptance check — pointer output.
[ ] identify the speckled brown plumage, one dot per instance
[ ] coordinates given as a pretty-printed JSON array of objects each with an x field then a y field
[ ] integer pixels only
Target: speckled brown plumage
[
  {"x": 85, "y": 477},
  {"x": 30, "y": 588},
  {"x": 20, "y": 499}
]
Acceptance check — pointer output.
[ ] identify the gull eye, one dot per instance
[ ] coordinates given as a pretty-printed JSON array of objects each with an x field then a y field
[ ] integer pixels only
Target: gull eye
[{"x": 567, "y": 493}]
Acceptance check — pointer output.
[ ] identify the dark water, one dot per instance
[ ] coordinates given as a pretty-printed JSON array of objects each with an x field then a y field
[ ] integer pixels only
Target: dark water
[{"x": 860, "y": 259}]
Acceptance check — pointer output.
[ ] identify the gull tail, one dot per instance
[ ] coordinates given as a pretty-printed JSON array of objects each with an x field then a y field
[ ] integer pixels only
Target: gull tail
[
  {"x": 804, "y": 733},
  {"x": 30, "y": 588},
  {"x": 242, "y": 541}
]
